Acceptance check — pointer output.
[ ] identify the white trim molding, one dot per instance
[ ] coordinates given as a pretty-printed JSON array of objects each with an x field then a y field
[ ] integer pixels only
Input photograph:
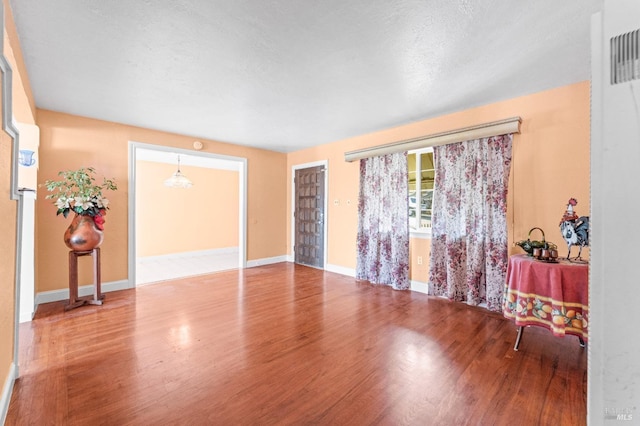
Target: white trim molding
[
  {"x": 420, "y": 287},
  {"x": 350, "y": 272},
  {"x": 85, "y": 290},
  {"x": 8, "y": 123},
  {"x": 240, "y": 164},
  {"x": 417, "y": 286},
  {"x": 7, "y": 390},
  {"x": 266, "y": 261}
]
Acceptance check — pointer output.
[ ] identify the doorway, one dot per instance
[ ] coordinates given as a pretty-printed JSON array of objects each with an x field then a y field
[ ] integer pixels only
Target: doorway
[
  {"x": 309, "y": 214},
  {"x": 180, "y": 249}
]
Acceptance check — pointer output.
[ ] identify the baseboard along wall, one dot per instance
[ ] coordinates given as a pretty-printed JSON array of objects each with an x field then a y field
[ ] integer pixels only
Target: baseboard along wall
[
  {"x": 87, "y": 290},
  {"x": 266, "y": 261},
  {"x": 7, "y": 390}
]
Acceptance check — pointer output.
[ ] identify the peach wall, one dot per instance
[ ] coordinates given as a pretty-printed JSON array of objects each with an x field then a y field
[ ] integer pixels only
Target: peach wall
[
  {"x": 8, "y": 209},
  {"x": 24, "y": 109},
  {"x": 550, "y": 165},
  {"x": 8, "y": 226},
  {"x": 176, "y": 220},
  {"x": 419, "y": 247},
  {"x": 70, "y": 142}
]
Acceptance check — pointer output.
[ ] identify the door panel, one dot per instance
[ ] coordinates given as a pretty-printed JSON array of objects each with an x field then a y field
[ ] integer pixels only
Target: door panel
[{"x": 309, "y": 216}]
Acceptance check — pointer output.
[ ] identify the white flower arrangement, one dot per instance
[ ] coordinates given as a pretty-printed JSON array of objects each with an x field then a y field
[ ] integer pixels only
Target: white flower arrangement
[{"x": 78, "y": 192}]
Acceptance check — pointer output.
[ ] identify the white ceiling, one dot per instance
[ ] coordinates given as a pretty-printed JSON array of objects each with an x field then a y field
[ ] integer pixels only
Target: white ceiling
[{"x": 289, "y": 74}]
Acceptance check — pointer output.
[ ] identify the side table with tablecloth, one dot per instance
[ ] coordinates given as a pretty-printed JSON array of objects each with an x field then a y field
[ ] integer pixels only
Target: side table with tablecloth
[{"x": 550, "y": 295}]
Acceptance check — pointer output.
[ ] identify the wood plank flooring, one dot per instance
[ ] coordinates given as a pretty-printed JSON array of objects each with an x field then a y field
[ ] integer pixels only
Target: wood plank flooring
[{"x": 286, "y": 344}]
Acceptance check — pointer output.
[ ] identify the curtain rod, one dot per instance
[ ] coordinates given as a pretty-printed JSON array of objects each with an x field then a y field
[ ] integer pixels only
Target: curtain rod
[{"x": 494, "y": 128}]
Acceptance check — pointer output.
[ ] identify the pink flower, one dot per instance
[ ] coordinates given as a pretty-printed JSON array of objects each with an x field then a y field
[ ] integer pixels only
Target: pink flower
[
  {"x": 573, "y": 201},
  {"x": 99, "y": 221}
]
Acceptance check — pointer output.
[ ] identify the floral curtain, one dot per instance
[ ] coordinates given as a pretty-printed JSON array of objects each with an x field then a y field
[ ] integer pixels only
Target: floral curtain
[
  {"x": 383, "y": 224},
  {"x": 469, "y": 225}
]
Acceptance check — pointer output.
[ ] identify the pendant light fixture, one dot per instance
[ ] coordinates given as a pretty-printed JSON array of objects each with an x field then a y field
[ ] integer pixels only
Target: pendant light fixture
[{"x": 178, "y": 180}]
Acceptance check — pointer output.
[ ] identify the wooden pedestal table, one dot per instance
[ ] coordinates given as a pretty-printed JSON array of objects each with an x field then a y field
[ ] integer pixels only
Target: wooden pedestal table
[
  {"x": 97, "y": 297},
  {"x": 554, "y": 296}
]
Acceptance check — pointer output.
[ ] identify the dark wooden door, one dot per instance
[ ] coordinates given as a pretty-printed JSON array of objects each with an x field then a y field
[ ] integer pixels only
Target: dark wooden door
[{"x": 309, "y": 216}]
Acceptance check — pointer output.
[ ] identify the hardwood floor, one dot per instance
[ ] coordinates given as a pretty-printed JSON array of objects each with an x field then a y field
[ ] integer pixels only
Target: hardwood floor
[{"x": 287, "y": 344}]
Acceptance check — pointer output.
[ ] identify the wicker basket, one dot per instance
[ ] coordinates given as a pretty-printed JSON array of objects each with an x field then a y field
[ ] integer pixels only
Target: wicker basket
[{"x": 539, "y": 249}]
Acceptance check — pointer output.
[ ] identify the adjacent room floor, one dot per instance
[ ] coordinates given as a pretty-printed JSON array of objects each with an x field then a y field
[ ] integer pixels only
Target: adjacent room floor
[{"x": 162, "y": 268}]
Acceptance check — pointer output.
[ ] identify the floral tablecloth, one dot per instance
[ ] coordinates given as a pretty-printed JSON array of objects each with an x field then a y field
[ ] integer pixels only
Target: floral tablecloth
[{"x": 550, "y": 295}]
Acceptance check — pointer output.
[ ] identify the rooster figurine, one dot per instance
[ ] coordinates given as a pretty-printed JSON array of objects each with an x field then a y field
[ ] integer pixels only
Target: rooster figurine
[{"x": 575, "y": 230}]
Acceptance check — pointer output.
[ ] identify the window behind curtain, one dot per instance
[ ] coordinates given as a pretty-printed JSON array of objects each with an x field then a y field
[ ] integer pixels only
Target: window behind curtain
[{"x": 421, "y": 175}]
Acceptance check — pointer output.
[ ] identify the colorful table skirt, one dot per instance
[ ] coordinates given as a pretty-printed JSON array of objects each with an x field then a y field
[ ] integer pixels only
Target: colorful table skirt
[{"x": 550, "y": 295}]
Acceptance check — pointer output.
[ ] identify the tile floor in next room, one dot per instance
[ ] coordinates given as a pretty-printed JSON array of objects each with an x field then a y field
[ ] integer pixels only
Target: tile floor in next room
[{"x": 161, "y": 268}]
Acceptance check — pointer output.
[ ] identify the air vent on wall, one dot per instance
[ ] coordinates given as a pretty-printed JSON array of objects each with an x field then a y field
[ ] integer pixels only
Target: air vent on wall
[{"x": 625, "y": 57}]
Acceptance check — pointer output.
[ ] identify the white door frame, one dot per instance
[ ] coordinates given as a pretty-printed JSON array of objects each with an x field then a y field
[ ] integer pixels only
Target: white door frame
[
  {"x": 242, "y": 199},
  {"x": 324, "y": 163}
]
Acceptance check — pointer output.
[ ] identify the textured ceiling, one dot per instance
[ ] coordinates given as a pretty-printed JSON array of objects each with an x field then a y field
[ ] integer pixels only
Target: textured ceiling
[{"x": 289, "y": 74}]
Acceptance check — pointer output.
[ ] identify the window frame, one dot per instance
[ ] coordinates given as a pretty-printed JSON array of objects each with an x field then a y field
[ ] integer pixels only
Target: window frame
[{"x": 419, "y": 232}]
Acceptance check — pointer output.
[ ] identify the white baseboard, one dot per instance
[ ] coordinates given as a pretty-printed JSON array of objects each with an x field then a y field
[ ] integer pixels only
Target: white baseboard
[
  {"x": 330, "y": 268},
  {"x": 340, "y": 270},
  {"x": 186, "y": 254},
  {"x": 420, "y": 287},
  {"x": 266, "y": 261},
  {"x": 27, "y": 314},
  {"x": 7, "y": 390},
  {"x": 85, "y": 290}
]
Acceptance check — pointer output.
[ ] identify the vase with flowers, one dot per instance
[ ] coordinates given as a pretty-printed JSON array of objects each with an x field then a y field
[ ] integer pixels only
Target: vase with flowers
[{"x": 78, "y": 192}]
